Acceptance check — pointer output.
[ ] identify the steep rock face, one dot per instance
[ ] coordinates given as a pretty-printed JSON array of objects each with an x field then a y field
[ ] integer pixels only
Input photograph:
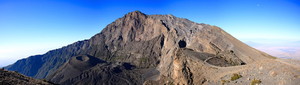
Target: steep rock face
[{"x": 144, "y": 49}]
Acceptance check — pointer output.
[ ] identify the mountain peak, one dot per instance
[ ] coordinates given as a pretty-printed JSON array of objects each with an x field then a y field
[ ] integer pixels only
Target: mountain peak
[
  {"x": 153, "y": 50},
  {"x": 135, "y": 14}
]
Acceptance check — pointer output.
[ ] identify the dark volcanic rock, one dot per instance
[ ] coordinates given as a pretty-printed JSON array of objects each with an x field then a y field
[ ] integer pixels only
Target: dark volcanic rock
[
  {"x": 14, "y": 78},
  {"x": 142, "y": 49}
]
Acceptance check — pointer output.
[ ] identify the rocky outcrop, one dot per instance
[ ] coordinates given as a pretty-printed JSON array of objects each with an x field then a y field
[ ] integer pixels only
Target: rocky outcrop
[
  {"x": 145, "y": 49},
  {"x": 14, "y": 78}
]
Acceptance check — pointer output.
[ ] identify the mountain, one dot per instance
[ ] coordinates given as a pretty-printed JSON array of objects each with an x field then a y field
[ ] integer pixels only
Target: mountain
[
  {"x": 14, "y": 78},
  {"x": 158, "y": 49}
]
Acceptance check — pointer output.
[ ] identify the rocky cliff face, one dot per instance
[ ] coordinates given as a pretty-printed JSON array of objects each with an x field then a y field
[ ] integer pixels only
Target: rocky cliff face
[{"x": 146, "y": 49}]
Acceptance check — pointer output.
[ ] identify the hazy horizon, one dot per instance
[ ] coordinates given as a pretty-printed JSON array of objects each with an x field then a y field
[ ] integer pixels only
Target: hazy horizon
[{"x": 35, "y": 27}]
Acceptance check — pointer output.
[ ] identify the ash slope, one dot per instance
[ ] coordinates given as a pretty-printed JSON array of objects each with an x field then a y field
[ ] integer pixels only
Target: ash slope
[{"x": 155, "y": 49}]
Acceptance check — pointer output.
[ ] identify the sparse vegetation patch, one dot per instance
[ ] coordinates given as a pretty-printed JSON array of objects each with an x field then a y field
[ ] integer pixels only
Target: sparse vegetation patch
[
  {"x": 235, "y": 76},
  {"x": 224, "y": 81},
  {"x": 117, "y": 58},
  {"x": 143, "y": 59},
  {"x": 255, "y": 82}
]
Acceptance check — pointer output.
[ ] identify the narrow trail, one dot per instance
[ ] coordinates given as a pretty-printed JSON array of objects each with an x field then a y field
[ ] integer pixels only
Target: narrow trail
[
  {"x": 223, "y": 71},
  {"x": 294, "y": 65}
]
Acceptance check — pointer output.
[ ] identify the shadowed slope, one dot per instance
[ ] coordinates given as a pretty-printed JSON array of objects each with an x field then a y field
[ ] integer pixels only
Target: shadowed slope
[{"x": 14, "y": 78}]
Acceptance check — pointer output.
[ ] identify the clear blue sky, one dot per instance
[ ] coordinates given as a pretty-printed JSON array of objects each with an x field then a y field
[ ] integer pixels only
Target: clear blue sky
[{"x": 30, "y": 27}]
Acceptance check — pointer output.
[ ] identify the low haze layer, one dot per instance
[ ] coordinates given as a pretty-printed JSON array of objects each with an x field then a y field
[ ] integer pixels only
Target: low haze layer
[{"x": 283, "y": 49}]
